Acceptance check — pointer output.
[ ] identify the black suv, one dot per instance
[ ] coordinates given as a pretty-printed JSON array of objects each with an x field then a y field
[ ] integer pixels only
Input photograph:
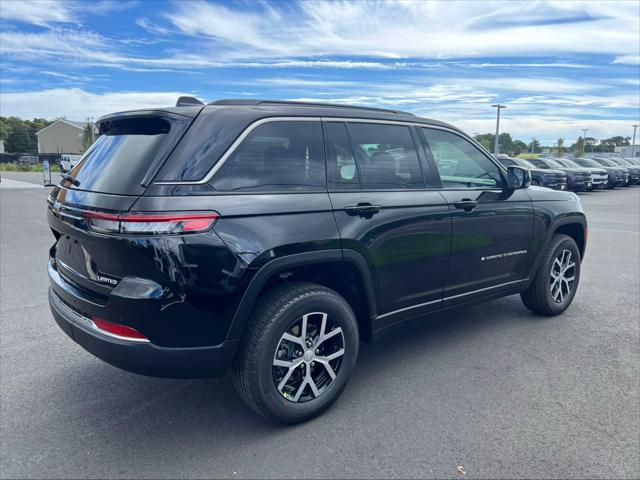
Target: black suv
[
  {"x": 541, "y": 177},
  {"x": 578, "y": 179},
  {"x": 270, "y": 238}
]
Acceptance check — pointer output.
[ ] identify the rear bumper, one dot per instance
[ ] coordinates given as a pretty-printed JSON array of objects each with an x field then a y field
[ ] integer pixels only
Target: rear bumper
[{"x": 142, "y": 358}]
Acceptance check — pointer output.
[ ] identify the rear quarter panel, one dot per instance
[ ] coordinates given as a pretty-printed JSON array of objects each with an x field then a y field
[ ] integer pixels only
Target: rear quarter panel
[{"x": 255, "y": 230}]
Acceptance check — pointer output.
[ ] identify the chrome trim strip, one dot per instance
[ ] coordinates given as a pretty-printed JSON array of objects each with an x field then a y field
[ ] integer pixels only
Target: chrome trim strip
[
  {"x": 446, "y": 298},
  {"x": 113, "y": 335},
  {"x": 481, "y": 290},
  {"x": 85, "y": 322},
  {"x": 262, "y": 121},
  {"x": 233, "y": 146},
  {"x": 408, "y": 308}
]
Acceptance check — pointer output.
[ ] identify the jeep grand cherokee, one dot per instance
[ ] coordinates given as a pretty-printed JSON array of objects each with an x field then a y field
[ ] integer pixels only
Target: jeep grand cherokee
[{"x": 270, "y": 238}]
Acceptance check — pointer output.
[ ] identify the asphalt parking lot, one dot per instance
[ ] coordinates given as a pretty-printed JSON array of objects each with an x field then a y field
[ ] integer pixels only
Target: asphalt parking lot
[{"x": 494, "y": 388}]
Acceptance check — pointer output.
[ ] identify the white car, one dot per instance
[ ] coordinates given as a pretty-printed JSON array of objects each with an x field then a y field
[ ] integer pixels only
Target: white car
[{"x": 68, "y": 161}]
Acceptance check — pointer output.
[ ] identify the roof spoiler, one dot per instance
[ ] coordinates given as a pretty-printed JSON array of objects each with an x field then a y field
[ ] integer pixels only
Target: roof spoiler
[{"x": 188, "y": 101}]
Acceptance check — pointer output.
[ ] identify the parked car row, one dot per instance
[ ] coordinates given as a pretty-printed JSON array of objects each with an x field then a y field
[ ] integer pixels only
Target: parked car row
[{"x": 579, "y": 174}]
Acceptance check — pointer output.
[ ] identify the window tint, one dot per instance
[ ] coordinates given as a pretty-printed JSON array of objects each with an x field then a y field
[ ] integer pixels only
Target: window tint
[
  {"x": 459, "y": 163},
  {"x": 386, "y": 156},
  {"x": 121, "y": 156},
  {"x": 276, "y": 156},
  {"x": 342, "y": 171}
]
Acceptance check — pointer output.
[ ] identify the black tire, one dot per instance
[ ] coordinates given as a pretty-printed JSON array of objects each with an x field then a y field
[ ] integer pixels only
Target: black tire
[
  {"x": 274, "y": 314},
  {"x": 538, "y": 297},
  {"x": 536, "y": 183}
]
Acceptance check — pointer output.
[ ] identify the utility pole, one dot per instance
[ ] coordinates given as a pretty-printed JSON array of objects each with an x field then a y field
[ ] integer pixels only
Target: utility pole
[
  {"x": 533, "y": 142},
  {"x": 496, "y": 148},
  {"x": 633, "y": 142}
]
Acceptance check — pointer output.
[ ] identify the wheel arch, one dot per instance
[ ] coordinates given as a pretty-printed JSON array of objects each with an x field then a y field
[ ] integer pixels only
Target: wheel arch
[
  {"x": 346, "y": 272},
  {"x": 575, "y": 230},
  {"x": 574, "y": 226}
]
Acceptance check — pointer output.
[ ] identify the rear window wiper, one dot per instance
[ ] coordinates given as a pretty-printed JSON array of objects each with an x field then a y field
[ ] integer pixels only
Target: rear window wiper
[{"x": 70, "y": 179}]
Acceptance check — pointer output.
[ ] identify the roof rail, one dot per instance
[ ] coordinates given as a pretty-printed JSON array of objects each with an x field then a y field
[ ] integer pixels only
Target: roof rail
[
  {"x": 302, "y": 104},
  {"x": 188, "y": 101}
]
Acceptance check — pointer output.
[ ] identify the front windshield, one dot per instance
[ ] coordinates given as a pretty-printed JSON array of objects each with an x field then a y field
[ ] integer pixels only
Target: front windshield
[
  {"x": 570, "y": 163},
  {"x": 608, "y": 163},
  {"x": 589, "y": 162},
  {"x": 552, "y": 163},
  {"x": 524, "y": 163}
]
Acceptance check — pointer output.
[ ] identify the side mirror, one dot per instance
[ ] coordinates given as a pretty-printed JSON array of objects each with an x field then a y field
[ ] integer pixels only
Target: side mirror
[{"x": 518, "y": 177}]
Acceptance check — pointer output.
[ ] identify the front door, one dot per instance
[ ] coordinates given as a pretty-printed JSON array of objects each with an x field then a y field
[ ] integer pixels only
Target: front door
[
  {"x": 492, "y": 229},
  {"x": 386, "y": 212}
]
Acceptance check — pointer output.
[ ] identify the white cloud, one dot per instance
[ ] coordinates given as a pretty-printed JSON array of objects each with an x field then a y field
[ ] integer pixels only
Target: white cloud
[
  {"x": 629, "y": 59},
  {"x": 77, "y": 104},
  {"x": 467, "y": 109},
  {"x": 412, "y": 29},
  {"x": 44, "y": 12},
  {"x": 87, "y": 49}
]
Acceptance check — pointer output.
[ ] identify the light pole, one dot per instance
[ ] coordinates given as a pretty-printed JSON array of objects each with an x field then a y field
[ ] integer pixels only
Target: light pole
[
  {"x": 496, "y": 147},
  {"x": 633, "y": 142},
  {"x": 533, "y": 143}
]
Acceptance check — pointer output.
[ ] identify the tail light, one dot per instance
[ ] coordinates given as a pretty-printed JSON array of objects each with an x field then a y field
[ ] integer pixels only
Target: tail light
[
  {"x": 150, "y": 223},
  {"x": 116, "y": 330}
]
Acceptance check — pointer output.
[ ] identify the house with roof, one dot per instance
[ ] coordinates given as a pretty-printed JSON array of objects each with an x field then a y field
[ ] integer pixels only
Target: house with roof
[{"x": 62, "y": 136}]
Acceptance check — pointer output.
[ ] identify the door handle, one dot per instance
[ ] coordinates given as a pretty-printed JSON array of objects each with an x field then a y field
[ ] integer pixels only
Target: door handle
[
  {"x": 466, "y": 204},
  {"x": 364, "y": 209}
]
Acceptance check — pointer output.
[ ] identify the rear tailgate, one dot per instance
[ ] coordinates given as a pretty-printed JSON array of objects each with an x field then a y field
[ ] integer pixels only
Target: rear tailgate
[
  {"x": 109, "y": 178},
  {"x": 85, "y": 259}
]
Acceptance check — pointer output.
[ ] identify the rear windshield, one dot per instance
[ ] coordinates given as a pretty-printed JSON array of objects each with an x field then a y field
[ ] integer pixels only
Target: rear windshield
[{"x": 124, "y": 152}]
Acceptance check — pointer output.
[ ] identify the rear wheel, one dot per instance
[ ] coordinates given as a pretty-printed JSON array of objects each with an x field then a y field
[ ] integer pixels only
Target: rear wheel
[
  {"x": 298, "y": 353},
  {"x": 556, "y": 281},
  {"x": 536, "y": 182}
]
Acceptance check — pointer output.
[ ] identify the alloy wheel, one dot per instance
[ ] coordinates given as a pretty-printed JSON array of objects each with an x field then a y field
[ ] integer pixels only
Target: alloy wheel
[
  {"x": 563, "y": 275},
  {"x": 308, "y": 357}
]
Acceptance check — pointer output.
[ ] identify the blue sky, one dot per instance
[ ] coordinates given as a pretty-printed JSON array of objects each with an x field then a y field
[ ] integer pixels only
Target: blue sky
[{"x": 559, "y": 66}]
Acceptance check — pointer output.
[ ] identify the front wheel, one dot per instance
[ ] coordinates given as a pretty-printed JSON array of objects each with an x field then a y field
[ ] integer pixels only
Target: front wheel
[
  {"x": 298, "y": 353},
  {"x": 556, "y": 281}
]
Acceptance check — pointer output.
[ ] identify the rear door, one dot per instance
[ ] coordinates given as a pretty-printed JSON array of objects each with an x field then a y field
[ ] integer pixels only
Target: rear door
[
  {"x": 491, "y": 229},
  {"x": 388, "y": 210}
]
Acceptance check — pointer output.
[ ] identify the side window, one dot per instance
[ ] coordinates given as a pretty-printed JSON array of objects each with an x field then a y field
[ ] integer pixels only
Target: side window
[
  {"x": 276, "y": 156},
  {"x": 386, "y": 156},
  {"x": 342, "y": 172},
  {"x": 459, "y": 163}
]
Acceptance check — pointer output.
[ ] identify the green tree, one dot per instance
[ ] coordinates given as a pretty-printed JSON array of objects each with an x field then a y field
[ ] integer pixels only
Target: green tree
[
  {"x": 486, "y": 140},
  {"x": 610, "y": 144},
  {"x": 534, "y": 146},
  {"x": 560, "y": 147},
  {"x": 87, "y": 136},
  {"x": 578, "y": 147},
  {"x": 19, "y": 139},
  {"x": 20, "y": 135},
  {"x": 5, "y": 128},
  {"x": 518, "y": 147},
  {"x": 590, "y": 144}
]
